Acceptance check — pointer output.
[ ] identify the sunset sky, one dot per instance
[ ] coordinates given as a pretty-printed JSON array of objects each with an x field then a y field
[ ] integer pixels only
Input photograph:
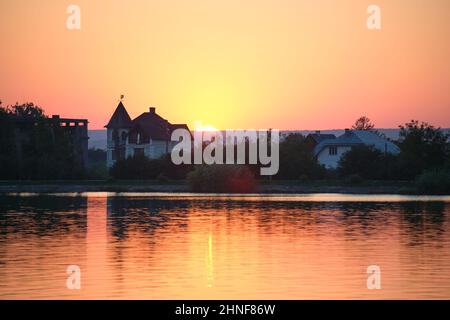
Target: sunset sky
[{"x": 288, "y": 64}]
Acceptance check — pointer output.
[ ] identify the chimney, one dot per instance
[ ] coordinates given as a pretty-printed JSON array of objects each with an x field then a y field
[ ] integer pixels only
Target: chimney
[
  {"x": 152, "y": 110},
  {"x": 347, "y": 131}
]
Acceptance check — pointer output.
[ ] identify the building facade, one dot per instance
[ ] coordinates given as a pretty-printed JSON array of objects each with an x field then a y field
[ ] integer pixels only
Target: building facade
[
  {"x": 329, "y": 149},
  {"x": 148, "y": 135},
  {"x": 74, "y": 129},
  {"x": 77, "y": 129}
]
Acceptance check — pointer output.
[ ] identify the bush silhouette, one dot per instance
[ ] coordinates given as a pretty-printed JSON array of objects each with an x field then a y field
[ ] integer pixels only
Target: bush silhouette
[{"x": 222, "y": 179}]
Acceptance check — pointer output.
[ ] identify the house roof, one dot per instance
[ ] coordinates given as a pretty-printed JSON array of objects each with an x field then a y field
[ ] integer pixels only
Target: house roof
[
  {"x": 154, "y": 126},
  {"x": 120, "y": 118},
  {"x": 179, "y": 126},
  {"x": 319, "y": 137},
  {"x": 380, "y": 143},
  {"x": 149, "y": 123},
  {"x": 358, "y": 137}
]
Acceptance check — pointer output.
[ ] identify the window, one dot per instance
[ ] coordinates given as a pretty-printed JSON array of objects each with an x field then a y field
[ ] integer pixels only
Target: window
[
  {"x": 115, "y": 136},
  {"x": 138, "y": 138},
  {"x": 332, "y": 151},
  {"x": 138, "y": 152}
]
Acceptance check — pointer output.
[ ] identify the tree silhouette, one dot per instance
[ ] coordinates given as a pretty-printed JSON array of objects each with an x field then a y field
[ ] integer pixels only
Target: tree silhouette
[
  {"x": 32, "y": 147},
  {"x": 363, "y": 123},
  {"x": 26, "y": 111},
  {"x": 422, "y": 147}
]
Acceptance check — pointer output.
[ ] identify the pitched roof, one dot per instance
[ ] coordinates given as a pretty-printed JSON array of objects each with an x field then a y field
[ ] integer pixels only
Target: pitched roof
[
  {"x": 149, "y": 123},
  {"x": 380, "y": 143},
  {"x": 179, "y": 126},
  {"x": 152, "y": 125},
  {"x": 319, "y": 137},
  {"x": 357, "y": 137},
  {"x": 120, "y": 118}
]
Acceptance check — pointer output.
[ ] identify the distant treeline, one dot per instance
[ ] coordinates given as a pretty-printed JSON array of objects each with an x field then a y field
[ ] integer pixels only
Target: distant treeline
[
  {"x": 424, "y": 156},
  {"x": 422, "y": 147},
  {"x": 31, "y": 148}
]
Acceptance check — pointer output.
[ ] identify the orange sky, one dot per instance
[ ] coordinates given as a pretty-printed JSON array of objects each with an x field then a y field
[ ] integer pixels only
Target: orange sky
[{"x": 288, "y": 64}]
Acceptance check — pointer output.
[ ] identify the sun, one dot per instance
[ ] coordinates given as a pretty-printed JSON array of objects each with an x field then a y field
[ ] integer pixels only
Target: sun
[{"x": 198, "y": 126}]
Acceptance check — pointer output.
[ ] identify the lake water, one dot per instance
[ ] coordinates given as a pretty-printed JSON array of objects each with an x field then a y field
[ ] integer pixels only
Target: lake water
[{"x": 187, "y": 246}]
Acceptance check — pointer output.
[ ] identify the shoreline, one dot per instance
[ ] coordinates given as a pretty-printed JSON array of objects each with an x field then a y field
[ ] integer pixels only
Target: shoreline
[{"x": 290, "y": 187}]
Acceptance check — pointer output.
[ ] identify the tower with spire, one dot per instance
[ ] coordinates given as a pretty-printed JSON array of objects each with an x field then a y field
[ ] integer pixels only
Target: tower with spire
[{"x": 118, "y": 128}]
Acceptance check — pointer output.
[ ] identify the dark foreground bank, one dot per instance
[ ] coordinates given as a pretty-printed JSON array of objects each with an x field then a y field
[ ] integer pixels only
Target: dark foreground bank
[{"x": 288, "y": 187}]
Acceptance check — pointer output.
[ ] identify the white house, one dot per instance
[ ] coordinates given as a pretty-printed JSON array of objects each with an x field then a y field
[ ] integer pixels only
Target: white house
[
  {"x": 148, "y": 135},
  {"x": 330, "y": 150}
]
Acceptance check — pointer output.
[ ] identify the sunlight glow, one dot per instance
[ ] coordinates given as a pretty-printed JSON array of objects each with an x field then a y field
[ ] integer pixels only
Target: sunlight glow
[{"x": 198, "y": 126}]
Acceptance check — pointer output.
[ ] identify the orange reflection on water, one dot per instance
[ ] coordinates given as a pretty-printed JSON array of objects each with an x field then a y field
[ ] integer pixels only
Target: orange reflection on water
[
  {"x": 97, "y": 273},
  {"x": 224, "y": 248}
]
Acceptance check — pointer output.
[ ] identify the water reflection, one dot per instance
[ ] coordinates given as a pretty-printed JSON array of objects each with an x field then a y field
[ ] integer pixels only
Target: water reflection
[
  {"x": 41, "y": 217},
  {"x": 97, "y": 273},
  {"x": 145, "y": 215},
  {"x": 161, "y": 247}
]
